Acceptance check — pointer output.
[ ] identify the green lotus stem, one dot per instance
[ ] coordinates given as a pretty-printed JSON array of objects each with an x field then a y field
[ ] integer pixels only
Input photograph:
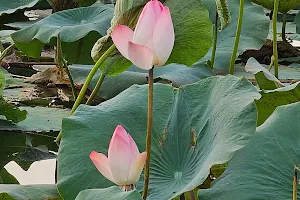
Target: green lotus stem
[
  {"x": 237, "y": 37},
  {"x": 275, "y": 51},
  {"x": 283, "y": 34},
  {"x": 63, "y": 65},
  {"x": 5, "y": 51},
  {"x": 149, "y": 133},
  {"x": 295, "y": 183},
  {"x": 87, "y": 82},
  {"x": 95, "y": 90},
  {"x": 215, "y": 39},
  {"x": 71, "y": 82}
]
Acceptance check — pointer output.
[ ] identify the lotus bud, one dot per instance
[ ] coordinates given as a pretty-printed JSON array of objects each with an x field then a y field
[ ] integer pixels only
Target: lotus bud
[{"x": 124, "y": 163}]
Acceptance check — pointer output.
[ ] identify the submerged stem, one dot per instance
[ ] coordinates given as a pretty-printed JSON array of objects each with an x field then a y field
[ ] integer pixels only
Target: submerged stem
[
  {"x": 149, "y": 133},
  {"x": 215, "y": 39},
  {"x": 95, "y": 90},
  {"x": 275, "y": 52},
  {"x": 237, "y": 37},
  {"x": 87, "y": 82}
]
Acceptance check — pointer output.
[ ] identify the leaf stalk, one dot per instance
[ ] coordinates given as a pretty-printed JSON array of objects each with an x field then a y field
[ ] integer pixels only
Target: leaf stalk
[
  {"x": 237, "y": 37},
  {"x": 87, "y": 82},
  {"x": 275, "y": 51}
]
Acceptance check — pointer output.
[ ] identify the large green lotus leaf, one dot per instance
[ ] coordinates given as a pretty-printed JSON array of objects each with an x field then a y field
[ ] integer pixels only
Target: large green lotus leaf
[
  {"x": 271, "y": 99},
  {"x": 78, "y": 29},
  {"x": 254, "y": 31},
  {"x": 264, "y": 169},
  {"x": 34, "y": 192},
  {"x": 10, "y": 6},
  {"x": 111, "y": 193},
  {"x": 193, "y": 30},
  {"x": 176, "y": 74},
  {"x": 284, "y": 5},
  {"x": 194, "y": 127}
]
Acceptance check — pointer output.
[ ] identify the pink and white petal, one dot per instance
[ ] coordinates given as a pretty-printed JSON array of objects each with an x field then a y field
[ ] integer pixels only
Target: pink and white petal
[
  {"x": 119, "y": 156},
  {"x": 134, "y": 149},
  {"x": 150, "y": 45},
  {"x": 120, "y": 131},
  {"x": 137, "y": 168},
  {"x": 140, "y": 56},
  {"x": 147, "y": 21},
  {"x": 121, "y": 37},
  {"x": 163, "y": 36},
  {"x": 101, "y": 163}
]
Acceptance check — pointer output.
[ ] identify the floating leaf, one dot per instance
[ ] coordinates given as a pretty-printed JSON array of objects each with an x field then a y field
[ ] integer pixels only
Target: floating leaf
[
  {"x": 11, "y": 112},
  {"x": 175, "y": 74},
  {"x": 34, "y": 192},
  {"x": 12, "y": 6},
  {"x": 39, "y": 119}
]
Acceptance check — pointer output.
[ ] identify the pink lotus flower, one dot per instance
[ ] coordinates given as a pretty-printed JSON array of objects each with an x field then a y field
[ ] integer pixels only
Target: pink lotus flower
[
  {"x": 152, "y": 41},
  {"x": 124, "y": 163}
]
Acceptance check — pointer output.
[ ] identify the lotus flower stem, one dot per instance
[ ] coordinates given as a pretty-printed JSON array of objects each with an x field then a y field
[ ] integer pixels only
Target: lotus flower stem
[
  {"x": 295, "y": 183},
  {"x": 283, "y": 34},
  {"x": 87, "y": 82},
  {"x": 237, "y": 37},
  {"x": 275, "y": 51},
  {"x": 95, "y": 90},
  {"x": 149, "y": 133},
  {"x": 215, "y": 39}
]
